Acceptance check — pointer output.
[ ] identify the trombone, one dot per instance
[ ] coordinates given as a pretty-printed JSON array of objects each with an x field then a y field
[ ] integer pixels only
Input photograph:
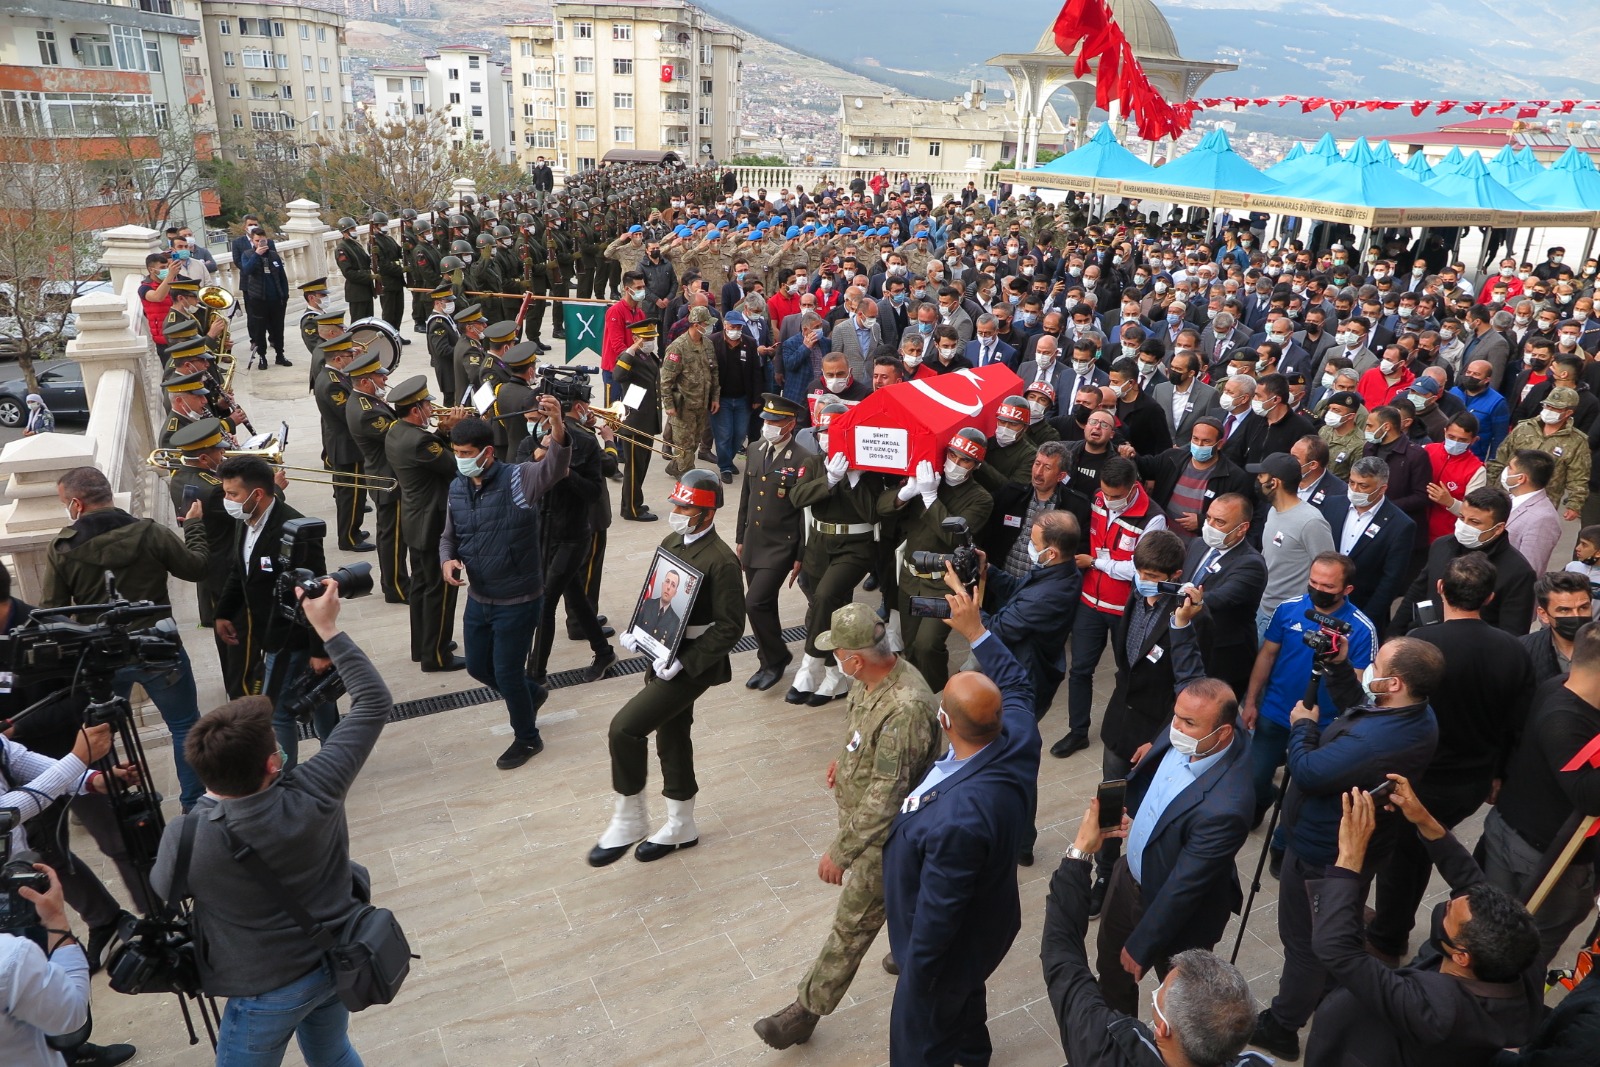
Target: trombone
[
  {"x": 173, "y": 459},
  {"x": 632, "y": 435}
]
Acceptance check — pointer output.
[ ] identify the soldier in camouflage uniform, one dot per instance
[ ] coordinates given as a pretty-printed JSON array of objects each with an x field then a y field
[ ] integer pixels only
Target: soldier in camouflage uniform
[
  {"x": 690, "y": 391},
  {"x": 892, "y": 738}
]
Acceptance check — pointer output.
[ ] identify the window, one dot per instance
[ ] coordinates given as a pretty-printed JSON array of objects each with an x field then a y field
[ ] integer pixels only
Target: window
[
  {"x": 622, "y": 101},
  {"x": 706, "y": 55},
  {"x": 305, "y": 32},
  {"x": 935, "y": 148},
  {"x": 977, "y": 151},
  {"x": 477, "y": 135},
  {"x": 322, "y": 64},
  {"x": 453, "y": 74},
  {"x": 305, "y": 63},
  {"x": 544, "y": 79},
  {"x": 561, "y": 64},
  {"x": 706, "y": 87},
  {"x": 561, "y": 130},
  {"x": 311, "y": 91},
  {"x": 261, "y": 120},
  {"x": 474, "y": 62},
  {"x": 281, "y": 61},
  {"x": 585, "y": 133},
  {"x": 622, "y": 134},
  {"x": 159, "y": 116},
  {"x": 477, "y": 111},
  {"x": 416, "y": 85},
  {"x": 704, "y": 117},
  {"x": 191, "y": 66},
  {"x": 277, "y": 28},
  {"x": 322, "y": 34},
  {"x": 583, "y": 31},
  {"x": 419, "y": 109},
  {"x": 583, "y": 64},
  {"x": 223, "y": 27},
  {"x": 527, "y": 111},
  {"x": 233, "y": 90},
  {"x": 455, "y": 121},
  {"x": 94, "y": 50},
  {"x": 560, "y": 29},
  {"x": 344, "y": 64},
  {"x": 622, "y": 67},
  {"x": 475, "y": 88},
  {"x": 48, "y": 56},
  {"x": 327, "y": 96},
  {"x": 526, "y": 49},
  {"x": 229, "y": 59},
  {"x": 561, "y": 96},
  {"x": 394, "y": 84},
  {"x": 238, "y": 124},
  {"x": 585, "y": 163},
  {"x": 252, "y": 28},
  {"x": 287, "y": 90},
  {"x": 455, "y": 98},
  {"x": 527, "y": 80},
  {"x": 129, "y": 44},
  {"x": 547, "y": 108},
  {"x": 544, "y": 138},
  {"x": 902, "y": 147},
  {"x": 582, "y": 98},
  {"x": 622, "y": 31}
]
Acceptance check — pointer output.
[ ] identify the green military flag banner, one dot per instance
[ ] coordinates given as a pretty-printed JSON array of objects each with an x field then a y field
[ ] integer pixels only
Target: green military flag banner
[{"x": 584, "y": 324}]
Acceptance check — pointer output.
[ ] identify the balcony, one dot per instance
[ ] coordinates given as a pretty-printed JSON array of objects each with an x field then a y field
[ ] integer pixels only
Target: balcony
[{"x": 261, "y": 74}]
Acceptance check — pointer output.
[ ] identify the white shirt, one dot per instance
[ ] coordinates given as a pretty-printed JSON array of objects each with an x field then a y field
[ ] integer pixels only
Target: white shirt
[
  {"x": 1517, "y": 500},
  {"x": 1355, "y": 524},
  {"x": 252, "y": 532},
  {"x": 1180, "y": 403}
]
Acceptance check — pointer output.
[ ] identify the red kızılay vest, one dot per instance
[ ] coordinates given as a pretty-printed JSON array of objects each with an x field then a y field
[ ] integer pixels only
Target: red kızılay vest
[
  {"x": 1455, "y": 472},
  {"x": 1118, "y": 536}
]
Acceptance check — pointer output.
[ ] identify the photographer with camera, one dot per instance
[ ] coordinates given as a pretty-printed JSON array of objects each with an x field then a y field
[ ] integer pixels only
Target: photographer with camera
[
  {"x": 278, "y": 981},
  {"x": 140, "y": 554},
  {"x": 45, "y": 988},
  {"x": 248, "y": 611},
  {"x": 1385, "y": 727}
]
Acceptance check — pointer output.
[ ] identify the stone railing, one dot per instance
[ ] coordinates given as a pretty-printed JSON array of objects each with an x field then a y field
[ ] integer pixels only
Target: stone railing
[{"x": 943, "y": 182}]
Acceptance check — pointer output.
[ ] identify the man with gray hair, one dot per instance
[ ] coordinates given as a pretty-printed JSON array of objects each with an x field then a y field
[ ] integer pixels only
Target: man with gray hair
[
  {"x": 890, "y": 740},
  {"x": 1202, "y": 1012}
]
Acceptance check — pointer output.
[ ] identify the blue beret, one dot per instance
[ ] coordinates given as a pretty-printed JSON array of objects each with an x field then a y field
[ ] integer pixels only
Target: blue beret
[
  {"x": 636, "y": 228},
  {"x": 792, "y": 232}
]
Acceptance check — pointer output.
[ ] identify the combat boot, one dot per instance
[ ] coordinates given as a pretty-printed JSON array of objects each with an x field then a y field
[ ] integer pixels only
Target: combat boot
[{"x": 791, "y": 1026}]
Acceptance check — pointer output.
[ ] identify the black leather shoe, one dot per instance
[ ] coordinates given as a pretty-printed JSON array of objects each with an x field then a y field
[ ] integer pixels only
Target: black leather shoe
[
  {"x": 405, "y": 340},
  {"x": 362, "y": 546},
  {"x": 518, "y": 754},
  {"x": 262, "y": 365},
  {"x": 871, "y": 584},
  {"x": 541, "y": 346},
  {"x": 394, "y": 600},
  {"x": 889, "y": 964},
  {"x": 289, "y": 363},
  {"x": 1276, "y": 1038},
  {"x": 454, "y": 663},
  {"x": 1068, "y": 745},
  {"x": 87, "y": 1055},
  {"x": 1025, "y": 858},
  {"x": 764, "y": 679},
  {"x": 597, "y": 670},
  {"x": 727, "y": 477},
  {"x": 794, "y": 696},
  {"x": 648, "y": 851},
  {"x": 605, "y": 631},
  {"x": 601, "y": 619},
  {"x": 99, "y": 938},
  {"x": 817, "y": 700},
  {"x": 1097, "y": 897},
  {"x": 643, "y": 516},
  {"x": 604, "y": 857},
  {"x": 1275, "y": 864}
]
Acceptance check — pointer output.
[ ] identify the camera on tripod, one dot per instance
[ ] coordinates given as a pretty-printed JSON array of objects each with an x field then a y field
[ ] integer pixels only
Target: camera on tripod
[
  {"x": 569, "y": 385},
  {"x": 963, "y": 559},
  {"x": 298, "y": 537},
  {"x": 1326, "y": 640}
]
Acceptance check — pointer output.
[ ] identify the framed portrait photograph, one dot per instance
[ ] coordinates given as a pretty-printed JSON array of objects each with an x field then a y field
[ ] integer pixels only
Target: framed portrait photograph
[{"x": 661, "y": 613}]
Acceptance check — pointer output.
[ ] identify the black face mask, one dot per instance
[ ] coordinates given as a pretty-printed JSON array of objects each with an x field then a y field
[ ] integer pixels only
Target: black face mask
[
  {"x": 1569, "y": 625},
  {"x": 1473, "y": 385},
  {"x": 1322, "y": 600},
  {"x": 1265, "y": 489},
  {"x": 1080, "y": 414}
]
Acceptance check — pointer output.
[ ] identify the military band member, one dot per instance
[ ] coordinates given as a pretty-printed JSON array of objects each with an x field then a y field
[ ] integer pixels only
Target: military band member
[
  {"x": 536, "y": 270},
  {"x": 186, "y": 353},
  {"x": 424, "y": 464},
  {"x": 328, "y": 322},
  {"x": 370, "y": 417},
  {"x": 665, "y": 706},
  {"x": 355, "y": 262},
  {"x": 423, "y": 272},
  {"x": 469, "y": 355},
  {"x": 514, "y": 397},
  {"x": 769, "y": 531},
  {"x": 339, "y": 451},
  {"x": 187, "y": 394},
  {"x": 203, "y": 445},
  {"x": 838, "y": 553},
  {"x": 442, "y": 335},
  {"x": 638, "y": 364},
  {"x": 186, "y": 304},
  {"x": 315, "y": 294}
]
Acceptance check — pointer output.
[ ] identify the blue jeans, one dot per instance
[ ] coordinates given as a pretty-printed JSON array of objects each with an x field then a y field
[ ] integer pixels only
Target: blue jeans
[
  {"x": 256, "y": 1030},
  {"x": 730, "y": 427},
  {"x": 1090, "y": 629},
  {"x": 499, "y": 638},
  {"x": 174, "y": 696},
  {"x": 1269, "y": 747},
  {"x": 278, "y": 670}
]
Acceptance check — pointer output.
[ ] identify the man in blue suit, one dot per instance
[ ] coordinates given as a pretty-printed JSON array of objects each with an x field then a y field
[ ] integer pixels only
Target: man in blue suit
[
  {"x": 1192, "y": 799},
  {"x": 1373, "y": 531},
  {"x": 950, "y": 862}
]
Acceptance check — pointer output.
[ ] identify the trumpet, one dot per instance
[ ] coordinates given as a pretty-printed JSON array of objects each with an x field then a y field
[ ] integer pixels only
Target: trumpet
[
  {"x": 444, "y": 418},
  {"x": 172, "y": 459}
]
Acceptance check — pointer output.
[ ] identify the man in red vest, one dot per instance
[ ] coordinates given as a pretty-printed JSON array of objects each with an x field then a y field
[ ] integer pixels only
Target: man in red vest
[{"x": 1456, "y": 472}]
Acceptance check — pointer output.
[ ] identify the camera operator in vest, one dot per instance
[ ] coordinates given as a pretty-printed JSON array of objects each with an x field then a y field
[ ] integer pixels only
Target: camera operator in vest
[{"x": 276, "y": 978}]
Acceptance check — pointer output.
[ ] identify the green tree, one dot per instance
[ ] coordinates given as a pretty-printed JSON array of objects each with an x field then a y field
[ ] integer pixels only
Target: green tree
[
  {"x": 758, "y": 161},
  {"x": 1046, "y": 155}
]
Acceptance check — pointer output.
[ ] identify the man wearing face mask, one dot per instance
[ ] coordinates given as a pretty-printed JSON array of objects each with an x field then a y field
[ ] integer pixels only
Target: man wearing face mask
[
  {"x": 1275, "y": 428},
  {"x": 927, "y": 499},
  {"x": 638, "y": 366},
  {"x": 1480, "y": 528},
  {"x": 1142, "y": 420},
  {"x": 1563, "y": 605},
  {"x": 339, "y": 451},
  {"x": 768, "y": 535},
  {"x": 369, "y": 418},
  {"x": 1375, "y": 534},
  {"x": 665, "y": 706},
  {"x": 1534, "y": 526},
  {"x": 1009, "y": 458},
  {"x": 1553, "y": 432},
  {"x": 690, "y": 390},
  {"x": 442, "y": 334},
  {"x": 1386, "y": 726},
  {"x": 1484, "y": 402},
  {"x": 1410, "y": 470},
  {"x": 1471, "y": 991}
]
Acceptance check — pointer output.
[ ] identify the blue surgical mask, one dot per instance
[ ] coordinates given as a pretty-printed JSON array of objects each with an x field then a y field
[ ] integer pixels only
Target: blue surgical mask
[
  {"x": 1202, "y": 453},
  {"x": 925, "y": 327},
  {"x": 1145, "y": 588},
  {"x": 470, "y": 466}
]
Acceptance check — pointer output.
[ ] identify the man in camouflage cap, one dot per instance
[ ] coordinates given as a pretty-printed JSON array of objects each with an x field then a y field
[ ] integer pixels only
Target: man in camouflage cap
[
  {"x": 892, "y": 738},
  {"x": 690, "y": 391}
]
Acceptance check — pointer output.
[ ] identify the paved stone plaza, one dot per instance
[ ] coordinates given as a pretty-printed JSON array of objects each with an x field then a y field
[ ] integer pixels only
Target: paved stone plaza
[{"x": 529, "y": 956}]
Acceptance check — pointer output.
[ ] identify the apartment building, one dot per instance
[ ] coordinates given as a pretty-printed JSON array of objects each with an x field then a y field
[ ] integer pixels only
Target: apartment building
[
  {"x": 972, "y": 131},
  {"x": 276, "y": 66},
  {"x": 618, "y": 76},
  {"x": 467, "y": 83},
  {"x": 82, "y": 74}
]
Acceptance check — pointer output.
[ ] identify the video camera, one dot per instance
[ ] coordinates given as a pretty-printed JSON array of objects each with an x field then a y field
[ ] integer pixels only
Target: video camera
[
  {"x": 569, "y": 385},
  {"x": 294, "y": 546},
  {"x": 49, "y": 647},
  {"x": 963, "y": 558},
  {"x": 1325, "y": 640},
  {"x": 16, "y": 872}
]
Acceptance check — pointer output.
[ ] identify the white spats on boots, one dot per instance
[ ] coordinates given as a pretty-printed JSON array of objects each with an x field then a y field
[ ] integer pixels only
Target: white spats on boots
[
  {"x": 813, "y": 670},
  {"x": 630, "y": 821},
  {"x": 678, "y": 832}
]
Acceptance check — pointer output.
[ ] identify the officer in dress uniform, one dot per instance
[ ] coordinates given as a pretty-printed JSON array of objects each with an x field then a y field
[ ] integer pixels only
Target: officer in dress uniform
[
  {"x": 339, "y": 451},
  {"x": 186, "y": 306},
  {"x": 514, "y": 398},
  {"x": 638, "y": 365},
  {"x": 469, "y": 354},
  {"x": 202, "y": 445},
  {"x": 890, "y": 741},
  {"x": 188, "y": 354},
  {"x": 665, "y": 706},
  {"x": 355, "y": 263},
  {"x": 424, "y": 464},
  {"x": 769, "y": 532},
  {"x": 327, "y": 323},
  {"x": 838, "y": 554},
  {"x": 370, "y": 417},
  {"x": 442, "y": 334},
  {"x": 187, "y": 394},
  {"x": 315, "y": 294}
]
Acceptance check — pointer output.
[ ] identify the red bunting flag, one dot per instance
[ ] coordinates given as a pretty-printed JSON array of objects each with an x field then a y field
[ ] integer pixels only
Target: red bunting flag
[
  {"x": 1474, "y": 108},
  {"x": 1445, "y": 105},
  {"x": 1089, "y": 28},
  {"x": 1419, "y": 106},
  {"x": 1339, "y": 107},
  {"x": 1566, "y": 107}
]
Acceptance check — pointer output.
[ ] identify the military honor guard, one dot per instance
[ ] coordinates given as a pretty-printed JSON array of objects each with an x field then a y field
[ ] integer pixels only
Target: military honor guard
[
  {"x": 315, "y": 294},
  {"x": 638, "y": 365},
  {"x": 339, "y": 451},
  {"x": 769, "y": 531},
  {"x": 442, "y": 335},
  {"x": 468, "y": 356},
  {"x": 514, "y": 404},
  {"x": 370, "y": 416}
]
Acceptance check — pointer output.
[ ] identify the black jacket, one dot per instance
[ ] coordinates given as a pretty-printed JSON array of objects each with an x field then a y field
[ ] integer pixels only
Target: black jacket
[
  {"x": 1141, "y": 702},
  {"x": 1380, "y": 554},
  {"x": 1144, "y": 424},
  {"x": 250, "y": 597},
  {"x": 1011, "y": 511},
  {"x": 1512, "y": 606},
  {"x": 1033, "y": 616},
  {"x": 1163, "y": 471},
  {"x": 568, "y": 505},
  {"x": 1542, "y": 652},
  {"x": 1233, "y": 586}
]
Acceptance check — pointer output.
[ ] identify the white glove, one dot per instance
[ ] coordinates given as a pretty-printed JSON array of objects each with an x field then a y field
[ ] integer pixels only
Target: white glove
[
  {"x": 837, "y": 467},
  {"x": 666, "y": 669},
  {"x": 927, "y": 480},
  {"x": 909, "y": 491},
  {"x": 629, "y": 642}
]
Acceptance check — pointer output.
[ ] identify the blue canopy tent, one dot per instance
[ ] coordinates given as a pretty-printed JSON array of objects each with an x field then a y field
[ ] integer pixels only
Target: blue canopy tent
[
  {"x": 1451, "y": 162},
  {"x": 1102, "y": 158},
  {"x": 1473, "y": 185},
  {"x": 1202, "y": 176},
  {"x": 1565, "y": 194},
  {"x": 1311, "y": 161},
  {"x": 1508, "y": 167},
  {"x": 1386, "y": 154},
  {"x": 1419, "y": 169}
]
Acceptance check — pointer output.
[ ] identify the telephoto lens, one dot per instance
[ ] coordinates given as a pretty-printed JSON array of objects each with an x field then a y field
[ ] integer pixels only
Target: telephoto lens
[{"x": 354, "y": 580}]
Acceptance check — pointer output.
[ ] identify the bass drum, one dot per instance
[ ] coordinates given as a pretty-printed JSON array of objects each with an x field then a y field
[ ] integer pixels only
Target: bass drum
[{"x": 375, "y": 336}]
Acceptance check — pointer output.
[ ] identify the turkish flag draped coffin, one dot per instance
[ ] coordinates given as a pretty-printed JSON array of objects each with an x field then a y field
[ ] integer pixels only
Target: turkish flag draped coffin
[{"x": 894, "y": 429}]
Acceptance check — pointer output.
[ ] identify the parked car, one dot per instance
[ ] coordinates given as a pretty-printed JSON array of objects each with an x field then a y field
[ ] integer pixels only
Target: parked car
[
  {"x": 54, "y": 324},
  {"x": 61, "y": 385}
]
